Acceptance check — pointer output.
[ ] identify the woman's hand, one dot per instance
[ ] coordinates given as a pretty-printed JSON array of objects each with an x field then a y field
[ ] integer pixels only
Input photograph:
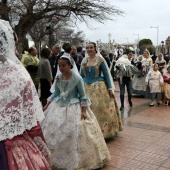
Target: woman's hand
[
  {"x": 46, "y": 106},
  {"x": 83, "y": 115},
  {"x": 111, "y": 94}
]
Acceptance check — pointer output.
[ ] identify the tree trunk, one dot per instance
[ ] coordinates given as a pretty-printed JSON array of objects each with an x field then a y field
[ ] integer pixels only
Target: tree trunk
[
  {"x": 4, "y": 10},
  {"x": 22, "y": 40},
  {"x": 22, "y": 44}
]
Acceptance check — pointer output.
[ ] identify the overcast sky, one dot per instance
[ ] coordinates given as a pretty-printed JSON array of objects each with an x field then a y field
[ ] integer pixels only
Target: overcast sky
[{"x": 139, "y": 16}]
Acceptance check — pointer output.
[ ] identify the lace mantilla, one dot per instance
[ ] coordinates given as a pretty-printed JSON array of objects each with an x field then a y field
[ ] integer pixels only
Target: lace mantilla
[{"x": 20, "y": 108}]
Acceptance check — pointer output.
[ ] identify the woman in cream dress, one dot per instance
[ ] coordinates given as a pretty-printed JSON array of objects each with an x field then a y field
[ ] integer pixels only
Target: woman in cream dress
[{"x": 100, "y": 90}]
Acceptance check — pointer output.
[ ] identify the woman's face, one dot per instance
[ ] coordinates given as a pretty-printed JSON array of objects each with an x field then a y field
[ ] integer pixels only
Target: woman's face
[
  {"x": 160, "y": 57},
  {"x": 145, "y": 54},
  {"x": 64, "y": 66},
  {"x": 130, "y": 54},
  {"x": 90, "y": 49},
  {"x": 155, "y": 67}
]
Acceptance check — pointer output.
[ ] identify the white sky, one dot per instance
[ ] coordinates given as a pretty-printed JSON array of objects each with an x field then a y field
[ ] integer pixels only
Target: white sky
[{"x": 139, "y": 16}]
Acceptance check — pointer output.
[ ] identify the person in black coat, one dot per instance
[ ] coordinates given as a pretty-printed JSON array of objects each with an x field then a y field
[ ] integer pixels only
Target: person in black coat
[{"x": 54, "y": 59}]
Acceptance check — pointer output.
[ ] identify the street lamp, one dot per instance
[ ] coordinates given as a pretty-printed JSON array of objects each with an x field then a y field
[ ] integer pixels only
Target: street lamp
[
  {"x": 138, "y": 39},
  {"x": 157, "y": 35}
]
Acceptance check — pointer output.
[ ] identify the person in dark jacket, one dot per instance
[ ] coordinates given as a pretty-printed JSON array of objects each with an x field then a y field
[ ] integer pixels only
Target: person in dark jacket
[
  {"x": 54, "y": 59},
  {"x": 105, "y": 56},
  {"x": 154, "y": 57}
]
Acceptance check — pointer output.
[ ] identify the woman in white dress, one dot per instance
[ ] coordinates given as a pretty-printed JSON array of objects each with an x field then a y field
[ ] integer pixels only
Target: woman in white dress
[
  {"x": 70, "y": 128},
  {"x": 154, "y": 80}
]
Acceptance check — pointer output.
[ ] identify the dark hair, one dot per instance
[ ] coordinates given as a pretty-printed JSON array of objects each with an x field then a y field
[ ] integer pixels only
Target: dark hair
[
  {"x": 155, "y": 65},
  {"x": 66, "y": 59},
  {"x": 103, "y": 53},
  {"x": 45, "y": 53},
  {"x": 79, "y": 49},
  {"x": 31, "y": 49},
  {"x": 127, "y": 51},
  {"x": 74, "y": 56},
  {"x": 67, "y": 47},
  {"x": 94, "y": 45}
]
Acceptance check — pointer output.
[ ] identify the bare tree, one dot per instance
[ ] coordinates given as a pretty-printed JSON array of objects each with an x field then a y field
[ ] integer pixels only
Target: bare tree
[
  {"x": 23, "y": 14},
  {"x": 55, "y": 32}
]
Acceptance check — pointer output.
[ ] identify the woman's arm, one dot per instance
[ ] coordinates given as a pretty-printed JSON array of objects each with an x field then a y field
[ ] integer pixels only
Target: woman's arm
[
  {"x": 50, "y": 99},
  {"x": 83, "y": 98},
  {"x": 106, "y": 75}
]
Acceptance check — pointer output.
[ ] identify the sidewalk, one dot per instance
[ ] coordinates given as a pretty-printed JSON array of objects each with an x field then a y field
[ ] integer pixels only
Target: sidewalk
[{"x": 144, "y": 144}]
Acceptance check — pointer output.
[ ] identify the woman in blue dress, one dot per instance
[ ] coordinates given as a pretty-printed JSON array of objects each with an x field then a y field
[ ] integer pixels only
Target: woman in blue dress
[{"x": 100, "y": 89}]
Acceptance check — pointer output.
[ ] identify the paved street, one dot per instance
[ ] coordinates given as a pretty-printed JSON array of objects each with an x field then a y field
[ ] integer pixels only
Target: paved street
[{"x": 144, "y": 144}]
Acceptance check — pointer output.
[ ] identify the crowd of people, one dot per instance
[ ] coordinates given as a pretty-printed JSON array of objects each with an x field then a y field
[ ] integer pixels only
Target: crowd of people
[{"x": 78, "y": 110}]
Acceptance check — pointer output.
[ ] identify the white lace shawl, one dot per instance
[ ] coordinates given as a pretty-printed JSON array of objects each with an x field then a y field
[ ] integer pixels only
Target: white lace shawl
[{"x": 20, "y": 108}]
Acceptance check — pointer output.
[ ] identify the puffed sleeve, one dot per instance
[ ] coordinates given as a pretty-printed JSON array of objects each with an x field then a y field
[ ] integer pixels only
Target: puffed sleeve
[
  {"x": 106, "y": 75},
  {"x": 81, "y": 90}
]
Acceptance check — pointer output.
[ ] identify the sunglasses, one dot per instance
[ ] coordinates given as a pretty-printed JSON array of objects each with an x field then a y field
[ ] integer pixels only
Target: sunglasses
[{"x": 89, "y": 47}]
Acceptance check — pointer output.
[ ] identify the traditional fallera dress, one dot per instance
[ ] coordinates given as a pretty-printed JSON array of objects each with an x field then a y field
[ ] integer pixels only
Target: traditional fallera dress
[
  {"x": 22, "y": 145},
  {"x": 97, "y": 82},
  {"x": 161, "y": 63},
  {"x": 155, "y": 79},
  {"x": 138, "y": 83},
  {"x": 74, "y": 143},
  {"x": 166, "y": 87}
]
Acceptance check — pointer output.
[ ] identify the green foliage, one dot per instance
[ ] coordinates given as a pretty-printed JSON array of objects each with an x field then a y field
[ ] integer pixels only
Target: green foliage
[
  {"x": 151, "y": 49},
  {"x": 145, "y": 42}
]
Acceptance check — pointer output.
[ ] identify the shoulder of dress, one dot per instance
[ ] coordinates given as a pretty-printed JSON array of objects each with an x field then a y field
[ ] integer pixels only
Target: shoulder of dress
[
  {"x": 85, "y": 60},
  {"x": 100, "y": 60},
  {"x": 76, "y": 77}
]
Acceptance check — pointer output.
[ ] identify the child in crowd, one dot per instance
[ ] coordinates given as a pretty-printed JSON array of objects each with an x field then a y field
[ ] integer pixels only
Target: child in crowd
[{"x": 154, "y": 80}]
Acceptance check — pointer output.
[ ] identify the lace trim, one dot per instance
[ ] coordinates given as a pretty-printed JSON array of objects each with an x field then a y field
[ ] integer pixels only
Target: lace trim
[
  {"x": 65, "y": 90},
  {"x": 84, "y": 103},
  {"x": 20, "y": 108},
  {"x": 42, "y": 147}
]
